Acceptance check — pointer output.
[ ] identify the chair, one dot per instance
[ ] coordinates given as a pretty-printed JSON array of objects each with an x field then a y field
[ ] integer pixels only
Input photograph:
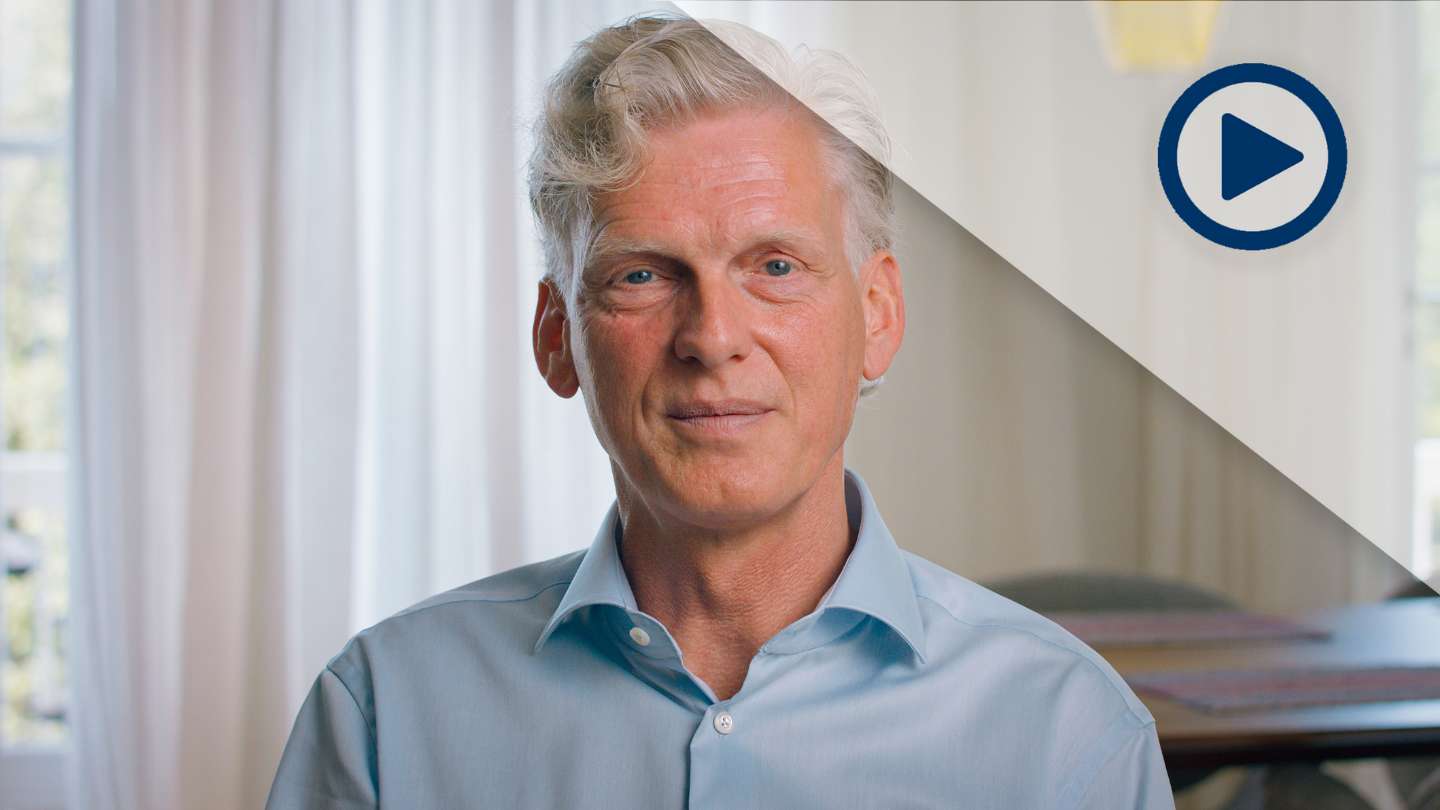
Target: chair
[
  {"x": 1095, "y": 591},
  {"x": 1417, "y": 589}
]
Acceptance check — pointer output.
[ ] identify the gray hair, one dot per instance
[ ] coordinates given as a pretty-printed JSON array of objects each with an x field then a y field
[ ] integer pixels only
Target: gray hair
[{"x": 650, "y": 71}]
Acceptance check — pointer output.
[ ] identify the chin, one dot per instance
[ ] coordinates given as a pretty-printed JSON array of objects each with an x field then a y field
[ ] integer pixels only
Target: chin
[{"x": 725, "y": 493}]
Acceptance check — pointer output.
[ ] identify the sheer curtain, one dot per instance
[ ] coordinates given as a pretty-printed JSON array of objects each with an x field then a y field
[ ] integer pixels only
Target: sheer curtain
[{"x": 304, "y": 276}]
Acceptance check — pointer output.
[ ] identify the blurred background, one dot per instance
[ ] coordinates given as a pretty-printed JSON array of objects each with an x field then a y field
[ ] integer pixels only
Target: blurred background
[{"x": 267, "y": 280}]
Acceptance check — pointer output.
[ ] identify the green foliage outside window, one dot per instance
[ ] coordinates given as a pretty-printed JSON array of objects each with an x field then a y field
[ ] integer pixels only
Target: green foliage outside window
[{"x": 35, "y": 89}]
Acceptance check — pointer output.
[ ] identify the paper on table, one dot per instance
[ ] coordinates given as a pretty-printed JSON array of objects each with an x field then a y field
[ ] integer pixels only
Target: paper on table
[
  {"x": 1145, "y": 628},
  {"x": 1263, "y": 689}
]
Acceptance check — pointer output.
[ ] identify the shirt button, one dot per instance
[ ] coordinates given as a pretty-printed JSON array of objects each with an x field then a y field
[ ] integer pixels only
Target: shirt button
[
  {"x": 724, "y": 723},
  {"x": 639, "y": 636}
]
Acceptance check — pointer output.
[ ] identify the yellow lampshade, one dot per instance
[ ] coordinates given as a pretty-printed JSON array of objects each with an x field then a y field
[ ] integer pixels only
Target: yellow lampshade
[{"x": 1145, "y": 35}]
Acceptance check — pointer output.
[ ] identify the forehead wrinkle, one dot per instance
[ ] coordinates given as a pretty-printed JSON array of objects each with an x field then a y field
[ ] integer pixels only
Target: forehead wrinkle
[
  {"x": 728, "y": 220},
  {"x": 731, "y": 160},
  {"x": 756, "y": 170},
  {"x": 720, "y": 187}
]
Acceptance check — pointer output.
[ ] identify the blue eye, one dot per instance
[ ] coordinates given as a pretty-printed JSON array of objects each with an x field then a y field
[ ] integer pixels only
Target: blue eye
[
  {"x": 778, "y": 267},
  {"x": 638, "y": 276}
]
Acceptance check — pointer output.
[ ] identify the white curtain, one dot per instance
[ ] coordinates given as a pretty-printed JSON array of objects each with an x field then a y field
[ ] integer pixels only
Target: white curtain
[{"x": 303, "y": 393}]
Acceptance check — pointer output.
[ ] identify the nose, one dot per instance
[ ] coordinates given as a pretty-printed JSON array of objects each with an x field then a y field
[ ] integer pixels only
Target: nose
[{"x": 715, "y": 326}]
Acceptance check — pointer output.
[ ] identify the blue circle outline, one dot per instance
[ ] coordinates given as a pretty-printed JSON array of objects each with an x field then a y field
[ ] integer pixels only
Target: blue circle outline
[{"x": 1203, "y": 88}]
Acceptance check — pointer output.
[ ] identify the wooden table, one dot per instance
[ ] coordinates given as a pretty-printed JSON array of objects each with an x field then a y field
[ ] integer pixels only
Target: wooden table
[{"x": 1401, "y": 632}]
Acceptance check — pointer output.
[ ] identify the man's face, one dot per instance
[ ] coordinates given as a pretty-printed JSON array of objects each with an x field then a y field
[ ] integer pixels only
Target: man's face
[{"x": 719, "y": 333}]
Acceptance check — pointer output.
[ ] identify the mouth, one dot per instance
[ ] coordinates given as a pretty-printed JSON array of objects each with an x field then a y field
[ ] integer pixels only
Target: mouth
[{"x": 718, "y": 417}]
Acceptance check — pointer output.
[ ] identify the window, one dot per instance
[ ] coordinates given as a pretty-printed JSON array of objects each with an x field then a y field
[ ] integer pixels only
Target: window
[
  {"x": 35, "y": 82},
  {"x": 1426, "y": 550}
]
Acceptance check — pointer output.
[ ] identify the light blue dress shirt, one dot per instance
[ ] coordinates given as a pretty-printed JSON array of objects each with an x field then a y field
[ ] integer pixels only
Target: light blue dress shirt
[{"x": 545, "y": 686}]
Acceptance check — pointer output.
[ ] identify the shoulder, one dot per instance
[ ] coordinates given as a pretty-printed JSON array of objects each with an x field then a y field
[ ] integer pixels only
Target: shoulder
[
  {"x": 525, "y": 583},
  {"x": 498, "y": 611},
  {"x": 963, "y": 616}
]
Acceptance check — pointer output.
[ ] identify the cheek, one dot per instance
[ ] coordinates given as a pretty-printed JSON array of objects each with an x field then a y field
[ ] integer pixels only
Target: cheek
[
  {"x": 614, "y": 359},
  {"x": 821, "y": 353}
]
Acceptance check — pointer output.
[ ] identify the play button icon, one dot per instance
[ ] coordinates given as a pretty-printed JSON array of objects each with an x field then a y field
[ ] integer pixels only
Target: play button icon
[
  {"x": 1252, "y": 156},
  {"x": 1249, "y": 156}
]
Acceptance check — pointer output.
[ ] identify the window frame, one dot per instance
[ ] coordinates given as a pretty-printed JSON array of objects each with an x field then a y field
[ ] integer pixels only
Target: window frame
[
  {"x": 1425, "y": 482},
  {"x": 34, "y": 775}
]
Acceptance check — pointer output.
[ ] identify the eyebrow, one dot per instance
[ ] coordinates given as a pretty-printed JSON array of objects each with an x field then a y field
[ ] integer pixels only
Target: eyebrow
[{"x": 608, "y": 248}]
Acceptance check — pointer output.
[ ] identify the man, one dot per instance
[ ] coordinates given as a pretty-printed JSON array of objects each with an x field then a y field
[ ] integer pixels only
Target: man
[{"x": 743, "y": 631}]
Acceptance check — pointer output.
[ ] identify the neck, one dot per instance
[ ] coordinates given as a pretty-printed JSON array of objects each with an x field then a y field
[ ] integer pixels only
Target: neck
[{"x": 722, "y": 593}]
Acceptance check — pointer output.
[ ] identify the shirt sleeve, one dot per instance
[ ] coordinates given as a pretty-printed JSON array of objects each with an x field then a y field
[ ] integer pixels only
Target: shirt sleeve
[
  {"x": 1133, "y": 778},
  {"x": 329, "y": 761}
]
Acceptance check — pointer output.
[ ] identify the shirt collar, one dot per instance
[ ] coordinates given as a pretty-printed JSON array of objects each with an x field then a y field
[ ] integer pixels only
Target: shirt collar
[{"x": 874, "y": 581}]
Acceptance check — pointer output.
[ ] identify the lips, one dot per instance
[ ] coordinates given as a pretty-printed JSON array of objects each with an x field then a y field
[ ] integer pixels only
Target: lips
[
  {"x": 718, "y": 418},
  {"x": 726, "y": 407}
]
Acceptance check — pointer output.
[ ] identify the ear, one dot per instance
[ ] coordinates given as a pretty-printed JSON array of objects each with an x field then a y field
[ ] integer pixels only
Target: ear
[
  {"x": 884, "y": 305},
  {"x": 551, "y": 336}
]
